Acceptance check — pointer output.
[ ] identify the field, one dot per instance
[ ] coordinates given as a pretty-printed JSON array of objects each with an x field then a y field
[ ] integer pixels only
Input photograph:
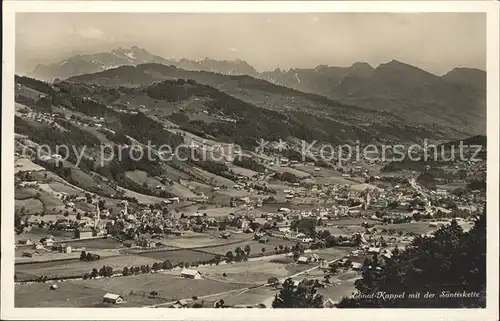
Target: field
[
  {"x": 333, "y": 253},
  {"x": 86, "y": 181},
  {"x": 248, "y": 272},
  {"x": 177, "y": 256},
  {"x": 417, "y": 227},
  {"x": 30, "y": 205},
  {"x": 36, "y": 233},
  {"x": 300, "y": 174},
  {"x": 89, "y": 293},
  {"x": 242, "y": 171},
  {"x": 47, "y": 200},
  {"x": 197, "y": 240},
  {"x": 23, "y": 164},
  {"x": 55, "y": 256},
  {"x": 325, "y": 175},
  {"x": 215, "y": 179},
  {"x": 52, "y": 204},
  {"x": 141, "y": 177},
  {"x": 24, "y": 192},
  {"x": 252, "y": 297},
  {"x": 353, "y": 221},
  {"x": 96, "y": 243},
  {"x": 78, "y": 268},
  {"x": 255, "y": 246},
  {"x": 348, "y": 230},
  {"x": 196, "y": 186},
  {"x": 177, "y": 189},
  {"x": 59, "y": 186},
  {"x": 142, "y": 198}
]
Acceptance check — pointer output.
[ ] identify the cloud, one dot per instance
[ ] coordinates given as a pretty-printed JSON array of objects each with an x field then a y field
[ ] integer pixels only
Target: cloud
[
  {"x": 91, "y": 33},
  {"x": 315, "y": 19},
  {"x": 233, "y": 49}
]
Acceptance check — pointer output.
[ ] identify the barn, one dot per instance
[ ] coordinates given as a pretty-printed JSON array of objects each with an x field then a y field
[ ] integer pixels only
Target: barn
[
  {"x": 190, "y": 274},
  {"x": 112, "y": 298}
]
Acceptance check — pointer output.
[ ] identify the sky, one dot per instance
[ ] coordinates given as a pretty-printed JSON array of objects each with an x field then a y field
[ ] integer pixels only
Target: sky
[{"x": 436, "y": 42}]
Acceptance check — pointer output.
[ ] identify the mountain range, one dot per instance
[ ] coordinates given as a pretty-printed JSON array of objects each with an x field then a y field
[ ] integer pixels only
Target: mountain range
[
  {"x": 456, "y": 100},
  {"x": 91, "y": 63}
]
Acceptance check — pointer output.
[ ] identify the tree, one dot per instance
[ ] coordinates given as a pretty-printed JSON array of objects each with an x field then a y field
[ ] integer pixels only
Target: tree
[
  {"x": 334, "y": 268},
  {"x": 83, "y": 256},
  {"x": 273, "y": 281},
  {"x": 303, "y": 295},
  {"x": 263, "y": 250},
  {"x": 167, "y": 265},
  {"x": 229, "y": 256},
  {"x": 94, "y": 273},
  {"x": 108, "y": 271},
  {"x": 78, "y": 216},
  {"x": 219, "y": 304},
  {"x": 125, "y": 271},
  {"x": 239, "y": 253},
  {"x": 305, "y": 225},
  {"x": 248, "y": 249}
]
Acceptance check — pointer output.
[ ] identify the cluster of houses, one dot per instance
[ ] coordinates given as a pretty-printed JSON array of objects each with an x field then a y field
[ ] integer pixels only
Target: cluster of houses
[{"x": 46, "y": 245}]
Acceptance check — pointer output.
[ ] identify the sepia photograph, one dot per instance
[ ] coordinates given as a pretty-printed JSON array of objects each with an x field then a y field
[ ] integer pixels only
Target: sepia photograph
[{"x": 250, "y": 158}]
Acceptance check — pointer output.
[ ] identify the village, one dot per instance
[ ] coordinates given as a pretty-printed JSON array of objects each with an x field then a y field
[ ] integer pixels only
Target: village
[{"x": 312, "y": 229}]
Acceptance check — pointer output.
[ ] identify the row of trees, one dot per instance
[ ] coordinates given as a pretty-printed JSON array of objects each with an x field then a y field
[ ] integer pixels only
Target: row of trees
[
  {"x": 239, "y": 254},
  {"x": 249, "y": 163},
  {"x": 105, "y": 271}
]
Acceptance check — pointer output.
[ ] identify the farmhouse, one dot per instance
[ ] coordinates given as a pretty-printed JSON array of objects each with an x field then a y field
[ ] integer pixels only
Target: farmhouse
[
  {"x": 48, "y": 242},
  {"x": 26, "y": 242},
  {"x": 64, "y": 248},
  {"x": 82, "y": 233},
  {"x": 30, "y": 253},
  {"x": 191, "y": 274},
  {"x": 303, "y": 260},
  {"x": 112, "y": 298}
]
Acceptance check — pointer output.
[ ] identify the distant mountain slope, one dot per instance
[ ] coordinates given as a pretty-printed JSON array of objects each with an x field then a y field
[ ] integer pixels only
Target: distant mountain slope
[
  {"x": 260, "y": 93},
  {"x": 456, "y": 100},
  {"x": 468, "y": 77},
  {"x": 207, "y": 111},
  {"x": 83, "y": 64},
  {"x": 91, "y": 63}
]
